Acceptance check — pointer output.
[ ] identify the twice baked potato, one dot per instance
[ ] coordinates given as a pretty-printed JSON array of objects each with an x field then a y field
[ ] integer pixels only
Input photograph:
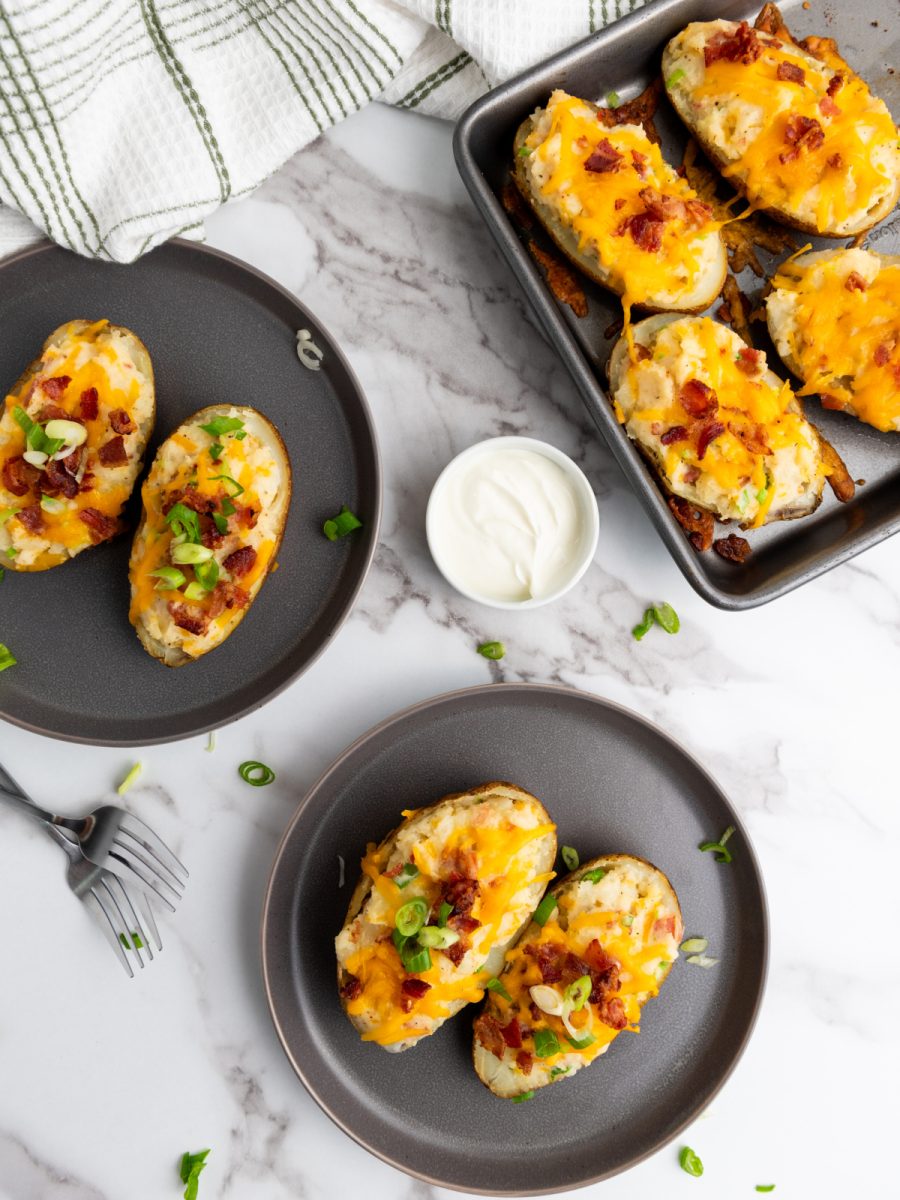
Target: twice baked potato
[
  {"x": 834, "y": 316},
  {"x": 790, "y": 125},
  {"x": 617, "y": 209},
  {"x": 215, "y": 505},
  {"x": 438, "y": 902},
  {"x": 73, "y": 432},
  {"x": 600, "y": 946},
  {"x": 721, "y": 430}
]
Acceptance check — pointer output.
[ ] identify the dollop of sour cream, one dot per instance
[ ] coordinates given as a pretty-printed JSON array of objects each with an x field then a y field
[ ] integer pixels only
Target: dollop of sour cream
[{"x": 508, "y": 525}]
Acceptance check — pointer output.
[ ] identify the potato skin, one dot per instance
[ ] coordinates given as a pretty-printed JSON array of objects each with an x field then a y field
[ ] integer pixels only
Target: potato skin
[{"x": 174, "y": 656}]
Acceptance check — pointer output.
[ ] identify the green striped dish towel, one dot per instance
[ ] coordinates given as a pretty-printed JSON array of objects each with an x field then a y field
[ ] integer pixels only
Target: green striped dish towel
[{"x": 124, "y": 122}]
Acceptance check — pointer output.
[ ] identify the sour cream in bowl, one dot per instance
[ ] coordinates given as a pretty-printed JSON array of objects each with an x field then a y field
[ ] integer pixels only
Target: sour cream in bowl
[{"x": 512, "y": 523}]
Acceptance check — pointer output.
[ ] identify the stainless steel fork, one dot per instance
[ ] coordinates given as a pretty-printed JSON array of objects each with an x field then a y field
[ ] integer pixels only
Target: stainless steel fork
[
  {"x": 114, "y": 840},
  {"x": 110, "y": 903}
]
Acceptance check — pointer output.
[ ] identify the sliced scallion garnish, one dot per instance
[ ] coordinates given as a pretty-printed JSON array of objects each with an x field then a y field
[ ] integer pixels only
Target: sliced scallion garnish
[
  {"x": 582, "y": 1042},
  {"x": 220, "y": 425},
  {"x": 234, "y": 483},
  {"x": 132, "y": 941},
  {"x": 129, "y": 779},
  {"x": 765, "y": 1187},
  {"x": 207, "y": 574},
  {"x": 557, "y": 1071},
  {"x": 191, "y": 1166},
  {"x": 51, "y": 504},
  {"x": 183, "y": 522},
  {"x": 492, "y": 650},
  {"x": 524, "y": 151},
  {"x": 170, "y": 578},
  {"x": 694, "y": 945},
  {"x": 576, "y": 993},
  {"x": 437, "y": 937},
  {"x": 227, "y": 508},
  {"x": 6, "y": 513},
  {"x": 216, "y": 451},
  {"x": 612, "y": 99},
  {"x": 496, "y": 985},
  {"x": 544, "y": 910},
  {"x": 220, "y": 522},
  {"x": 546, "y": 1043},
  {"x": 592, "y": 876},
  {"x": 191, "y": 552},
  {"x": 345, "y": 522},
  {"x": 628, "y": 920},
  {"x": 406, "y": 874},
  {"x": 415, "y": 958},
  {"x": 690, "y": 1162},
  {"x": 719, "y": 848},
  {"x": 255, "y": 773},
  {"x": 195, "y": 591},
  {"x": 411, "y": 916},
  {"x": 6, "y": 657},
  {"x": 522, "y": 1097},
  {"x": 570, "y": 857},
  {"x": 444, "y": 912},
  {"x": 675, "y": 77},
  {"x": 701, "y": 960}
]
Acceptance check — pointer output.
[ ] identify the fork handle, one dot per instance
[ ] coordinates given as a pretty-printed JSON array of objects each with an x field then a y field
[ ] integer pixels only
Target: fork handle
[{"x": 13, "y": 795}]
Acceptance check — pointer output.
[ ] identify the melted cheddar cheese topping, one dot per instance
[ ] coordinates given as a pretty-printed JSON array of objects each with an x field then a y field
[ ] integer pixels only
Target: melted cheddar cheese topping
[
  {"x": 764, "y": 455},
  {"x": 499, "y": 842},
  {"x": 846, "y": 169},
  {"x": 596, "y": 207},
  {"x": 81, "y": 359},
  {"x": 835, "y": 316}
]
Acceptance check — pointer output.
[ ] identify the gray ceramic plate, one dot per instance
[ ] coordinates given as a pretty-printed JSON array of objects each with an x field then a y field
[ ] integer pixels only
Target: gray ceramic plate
[
  {"x": 612, "y": 782},
  {"x": 217, "y": 330}
]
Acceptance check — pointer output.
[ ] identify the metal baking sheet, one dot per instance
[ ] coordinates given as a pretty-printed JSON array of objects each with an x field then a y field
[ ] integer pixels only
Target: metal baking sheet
[{"x": 624, "y": 58}]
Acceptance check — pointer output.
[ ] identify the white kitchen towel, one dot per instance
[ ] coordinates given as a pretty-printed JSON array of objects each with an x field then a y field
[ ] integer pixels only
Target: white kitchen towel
[{"x": 124, "y": 122}]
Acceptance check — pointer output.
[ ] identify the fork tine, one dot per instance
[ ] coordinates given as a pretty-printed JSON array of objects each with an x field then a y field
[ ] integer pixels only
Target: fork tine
[
  {"x": 164, "y": 876},
  {"x": 147, "y": 910},
  {"x": 136, "y": 928},
  {"x": 104, "y": 883},
  {"x": 100, "y": 912},
  {"x": 149, "y": 878},
  {"x": 153, "y": 844}
]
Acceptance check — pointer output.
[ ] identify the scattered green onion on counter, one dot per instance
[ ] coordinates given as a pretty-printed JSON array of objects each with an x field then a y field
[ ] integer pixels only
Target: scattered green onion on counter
[
  {"x": 701, "y": 960},
  {"x": 496, "y": 985},
  {"x": 257, "y": 774},
  {"x": 570, "y": 857},
  {"x": 191, "y": 1166},
  {"x": 129, "y": 779},
  {"x": 345, "y": 522},
  {"x": 663, "y": 615},
  {"x": 544, "y": 910},
  {"x": 211, "y": 742},
  {"x": 406, "y": 874},
  {"x": 719, "y": 848},
  {"x": 694, "y": 945},
  {"x": 6, "y": 657},
  {"x": 765, "y": 1187},
  {"x": 690, "y": 1162},
  {"x": 492, "y": 650},
  {"x": 523, "y": 1097},
  {"x": 2, "y": 574}
]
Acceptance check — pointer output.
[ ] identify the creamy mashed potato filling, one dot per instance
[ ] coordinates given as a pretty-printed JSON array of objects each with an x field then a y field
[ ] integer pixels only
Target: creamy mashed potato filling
[
  {"x": 212, "y": 523},
  {"x": 728, "y": 435},
  {"x": 610, "y": 186},
  {"x": 799, "y": 131},
  {"x": 477, "y": 869},
  {"x": 835, "y": 319},
  {"x": 89, "y": 379}
]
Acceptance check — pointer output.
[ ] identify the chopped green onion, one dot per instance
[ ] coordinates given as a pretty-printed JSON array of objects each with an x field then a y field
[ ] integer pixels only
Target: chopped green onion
[
  {"x": 22, "y": 419},
  {"x": 577, "y": 993},
  {"x": 760, "y": 496},
  {"x": 666, "y": 617},
  {"x": 406, "y": 874},
  {"x": 11, "y": 552},
  {"x": 437, "y": 937},
  {"x": 211, "y": 742},
  {"x": 415, "y": 958},
  {"x": 345, "y": 522},
  {"x": 570, "y": 857},
  {"x": 216, "y": 450},
  {"x": 207, "y": 574},
  {"x": 6, "y": 657},
  {"x": 628, "y": 920},
  {"x": 35, "y": 437},
  {"x": 220, "y": 522},
  {"x": 191, "y": 1166},
  {"x": 2, "y": 574},
  {"x": 50, "y": 504},
  {"x": 592, "y": 876},
  {"x": 134, "y": 943},
  {"x": 492, "y": 650},
  {"x": 129, "y": 778},
  {"x": 675, "y": 77},
  {"x": 227, "y": 508},
  {"x": 524, "y": 151},
  {"x": 644, "y": 627},
  {"x": 411, "y": 916},
  {"x": 496, "y": 985},
  {"x": 183, "y": 522},
  {"x": 719, "y": 848},
  {"x": 219, "y": 425},
  {"x": 6, "y": 513},
  {"x": 612, "y": 99},
  {"x": 399, "y": 939},
  {"x": 522, "y": 1097},
  {"x": 546, "y": 1043},
  {"x": 581, "y": 1043},
  {"x": 444, "y": 912},
  {"x": 234, "y": 483},
  {"x": 191, "y": 552},
  {"x": 556, "y": 1071},
  {"x": 690, "y": 1162},
  {"x": 239, "y": 437},
  {"x": 170, "y": 578},
  {"x": 195, "y": 591},
  {"x": 544, "y": 909},
  {"x": 67, "y": 433},
  {"x": 694, "y": 945},
  {"x": 257, "y": 774},
  {"x": 765, "y": 1187},
  {"x": 702, "y": 960}
]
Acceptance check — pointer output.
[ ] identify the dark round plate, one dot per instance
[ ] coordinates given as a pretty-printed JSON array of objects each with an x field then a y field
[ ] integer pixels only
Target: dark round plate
[
  {"x": 612, "y": 782},
  {"x": 217, "y": 330}
]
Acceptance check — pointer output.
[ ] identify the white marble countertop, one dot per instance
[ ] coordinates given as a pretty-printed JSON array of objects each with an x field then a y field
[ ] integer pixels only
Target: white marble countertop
[{"x": 793, "y": 707}]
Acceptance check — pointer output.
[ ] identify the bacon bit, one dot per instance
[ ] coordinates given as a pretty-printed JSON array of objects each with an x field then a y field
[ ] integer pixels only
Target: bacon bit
[
  {"x": 883, "y": 353},
  {"x": 663, "y": 927},
  {"x": 351, "y": 988},
  {"x": 488, "y": 1034},
  {"x": 547, "y": 955},
  {"x": 791, "y": 73},
  {"x": 32, "y": 518},
  {"x": 752, "y": 436},
  {"x": 697, "y": 213},
  {"x": 52, "y": 412},
  {"x": 56, "y": 386},
  {"x": 192, "y": 620},
  {"x": 749, "y": 361},
  {"x": 835, "y": 161},
  {"x": 801, "y": 133},
  {"x": 835, "y": 84},
  {"x": 227, "y": 595},
  {"x": 58, "y": 478},
  {"x": 19, "y": 476},
  {"x": 244, "y": 515},
  {"x": 463, "y": 924},
  {"x": 113, "y": 452},
  {"x": 512, "y": 1034},
  {"x": 121, "y": 421},
  {"x": 415, "y": 988},
  {"x": 461, "y": 894},
  {"x": 645, "y": 231},
  {"x": 660, "y": 206},
  {"x": 828, "y": 107},
  {"x": 604, "y": 158},
  {"x": 640, "y": 163},
  {"x": 619, "y": 203},
  {"x": 708, "y": 434},
  {"x": 240, "y": 561},
  {"x": 457, "y": 952},
  {"x": 690, "y": 474},
  {"x": 612, "y": 1012},
  {"x": 599, "y": 961},
  {"x": 525, "y": 1061},
  {"x": 855, "y": 282},
  {"x": 733, "y": 548},
  {"x": 89, "y": 404},
  {"x": 191, "y": 498},
  {"x": 696, "y": 522},
  {"x": 741, "y": 46},
  {"x": 677, "y": 433},
  {"x": 698, "y": 398},
  {"x": 101, "y": 526}
]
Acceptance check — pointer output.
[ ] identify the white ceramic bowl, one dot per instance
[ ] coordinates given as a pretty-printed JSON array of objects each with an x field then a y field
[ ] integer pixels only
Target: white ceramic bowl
[{"x": 584, "y": 494}]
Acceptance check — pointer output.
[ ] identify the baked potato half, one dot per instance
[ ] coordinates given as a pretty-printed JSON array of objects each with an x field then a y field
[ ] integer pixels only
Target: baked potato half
[
  {"x": 834, "y": 316},
  {"x": 617, "y": 209},
  {"x": 790, "y": 125},
  {"x": 721, "y": 430},
  {"x": 215, "y": 505},
  {"x": 602, "y": 942},
  {"x": 73, "y": 432},
  {"x": 437, "y": 904}
]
